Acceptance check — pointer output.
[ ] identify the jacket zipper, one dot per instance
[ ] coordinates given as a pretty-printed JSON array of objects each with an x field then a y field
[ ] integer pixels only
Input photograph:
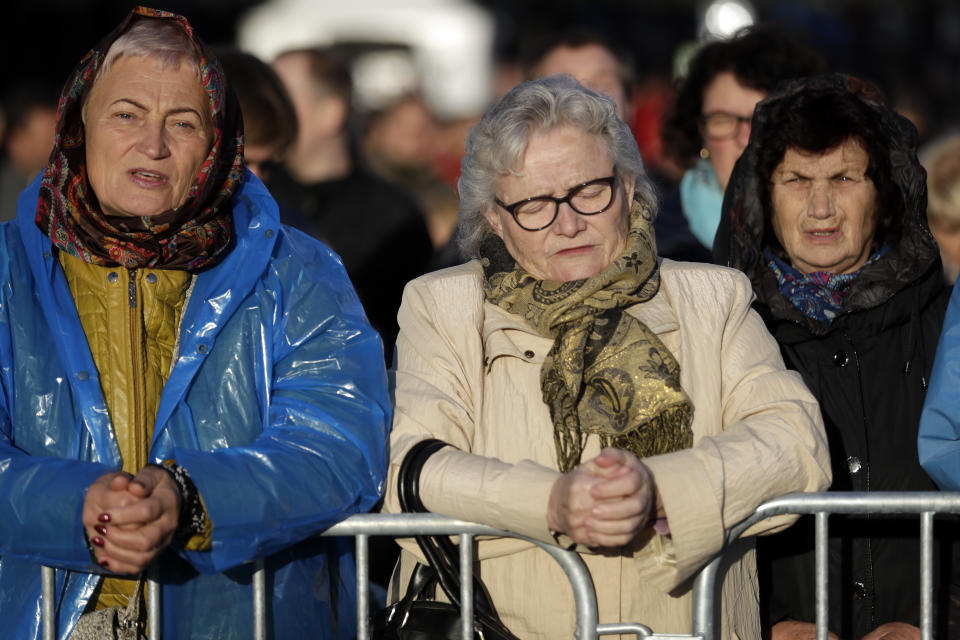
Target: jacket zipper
[{"x": 136, "y": 340}]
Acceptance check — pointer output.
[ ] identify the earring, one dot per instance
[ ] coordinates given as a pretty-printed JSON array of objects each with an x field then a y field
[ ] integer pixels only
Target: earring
[{"x": 704, "y": 153}]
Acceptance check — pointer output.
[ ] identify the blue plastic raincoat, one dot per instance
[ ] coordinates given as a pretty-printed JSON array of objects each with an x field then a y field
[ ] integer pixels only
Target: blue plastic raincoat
[
  {"x": 276, "y": 405},
  {"x": 938, "y": 444}
]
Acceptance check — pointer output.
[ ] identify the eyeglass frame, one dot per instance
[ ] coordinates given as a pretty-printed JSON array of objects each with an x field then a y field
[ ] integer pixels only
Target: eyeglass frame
[
  {"x": 738, "y": 119},
  {"x": 512, "y": 208}
]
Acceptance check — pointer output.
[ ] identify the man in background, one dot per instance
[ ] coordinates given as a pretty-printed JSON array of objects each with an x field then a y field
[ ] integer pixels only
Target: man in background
[{"x": 374, "y": 226}]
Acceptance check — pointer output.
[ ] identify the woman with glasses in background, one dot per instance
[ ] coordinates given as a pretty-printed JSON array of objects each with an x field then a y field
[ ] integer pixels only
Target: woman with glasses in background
[
  {"x": 710, "y": 123},
  {"x": 592, "y": 395}
]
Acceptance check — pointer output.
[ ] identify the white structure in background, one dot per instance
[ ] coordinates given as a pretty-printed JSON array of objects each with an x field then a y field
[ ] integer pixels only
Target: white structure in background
[
  {"x": 723, "y": 18},
  {"x": 443, "y": 48}
]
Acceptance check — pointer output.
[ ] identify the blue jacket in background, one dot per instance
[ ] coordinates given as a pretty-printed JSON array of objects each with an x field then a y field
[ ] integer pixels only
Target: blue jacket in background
[
  {"x": 938, "y": 444},
  {"x": 276, "y": 405}
]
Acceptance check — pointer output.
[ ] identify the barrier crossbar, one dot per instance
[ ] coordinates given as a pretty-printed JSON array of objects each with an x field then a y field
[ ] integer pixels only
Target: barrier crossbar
[{"x": 821, "y": 505}]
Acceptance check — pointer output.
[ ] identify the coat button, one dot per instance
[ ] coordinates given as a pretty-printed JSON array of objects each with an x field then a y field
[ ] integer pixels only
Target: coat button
[
  {"x": 112, "y": 276},
  {"x": 82, "y": 375},
  {"x": 528, "y": 354},
  {"x": 853, "y": 464},
  {"x": 840, "y": 358},
  {"x": 859, "y": 590},
  {"x": 151, "y": 278},
  {"x": 202, "y": 348}
]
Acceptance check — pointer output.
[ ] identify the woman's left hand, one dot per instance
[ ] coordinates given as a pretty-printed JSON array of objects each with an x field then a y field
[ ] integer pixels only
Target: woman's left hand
[
  {"x": 626, "y": 498},
  {"x": 604, "y": 502},
  {"x": 136, "y": 533}
]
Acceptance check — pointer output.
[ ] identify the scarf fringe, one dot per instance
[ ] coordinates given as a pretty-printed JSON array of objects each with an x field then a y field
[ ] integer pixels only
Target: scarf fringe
[{"x": 656, "y": 436}]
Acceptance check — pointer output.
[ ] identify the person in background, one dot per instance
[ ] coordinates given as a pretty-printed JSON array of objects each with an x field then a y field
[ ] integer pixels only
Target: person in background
[
  {"x": 597, "y": 63},
  {"x": 826, "y": 217},
  {"x": 593, "y": 395},
  {"x": 941, "y": 158},
  {"x": 374, "y": 226},
  {"x": 30, "y": 112},
  {"x": 590, "y": 57},
  {"x": 188, "y": 384},
  {"x": 269, "y": 118},
  {"x": 401, "y": 141},
  {"x": 709, "y": 126}
]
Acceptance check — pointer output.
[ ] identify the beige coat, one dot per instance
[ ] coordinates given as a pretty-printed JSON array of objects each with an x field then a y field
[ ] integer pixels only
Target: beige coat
[{"x": 468, "y": 372}]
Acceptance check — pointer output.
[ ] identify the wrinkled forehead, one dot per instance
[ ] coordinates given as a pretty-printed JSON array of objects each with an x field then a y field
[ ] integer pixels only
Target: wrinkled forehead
[
  {"x": 145, "y": 81},
  {"x": 850, "y": 154}
]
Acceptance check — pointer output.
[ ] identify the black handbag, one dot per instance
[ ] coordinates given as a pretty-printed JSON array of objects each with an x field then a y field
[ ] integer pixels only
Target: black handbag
[{"x": 416, "y": 616}]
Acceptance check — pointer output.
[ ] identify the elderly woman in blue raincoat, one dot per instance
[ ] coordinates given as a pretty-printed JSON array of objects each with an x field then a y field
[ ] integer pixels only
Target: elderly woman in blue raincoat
[{"x": 183, "y": 380}]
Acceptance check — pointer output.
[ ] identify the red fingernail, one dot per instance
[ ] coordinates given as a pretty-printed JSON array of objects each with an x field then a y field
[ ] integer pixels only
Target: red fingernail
[
  {"x": 104, "y": 517},
  {"x": 97, "y": 540},
  {"x": 104, "y": 564},
  {"x": 102, "y": 530}
]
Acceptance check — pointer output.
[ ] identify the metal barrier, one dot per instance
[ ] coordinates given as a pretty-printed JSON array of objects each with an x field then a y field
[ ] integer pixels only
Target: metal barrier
[
  {"x": 821, "y": 505},
  {"x": 361, "y": 527}
]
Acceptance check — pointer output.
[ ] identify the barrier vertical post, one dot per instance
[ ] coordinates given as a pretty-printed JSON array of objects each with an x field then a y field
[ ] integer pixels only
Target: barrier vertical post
[
  {"x": 48, "y": 609},
  {"x": 926, "y": 575},
  {"x": 822, "y": 575},
  {"x": 466, "y": 586},
  {"x": 153, "y": 604},
  {"x": 363, "y": 587},
  {"x": 259, "y": 584},
  {"x": 703, "y": 589}
]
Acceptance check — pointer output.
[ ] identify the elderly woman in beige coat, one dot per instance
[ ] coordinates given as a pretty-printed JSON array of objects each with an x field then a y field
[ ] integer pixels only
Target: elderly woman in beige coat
[{"x": 592, "y": 394}]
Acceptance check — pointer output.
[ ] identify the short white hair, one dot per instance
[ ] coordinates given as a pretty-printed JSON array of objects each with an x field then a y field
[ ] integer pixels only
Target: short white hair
[{"x": 496, "y": 145}]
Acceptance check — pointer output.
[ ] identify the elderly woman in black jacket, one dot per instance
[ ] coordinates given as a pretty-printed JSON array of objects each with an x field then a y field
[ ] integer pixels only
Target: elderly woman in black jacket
[{"x": 826, "y": 209}]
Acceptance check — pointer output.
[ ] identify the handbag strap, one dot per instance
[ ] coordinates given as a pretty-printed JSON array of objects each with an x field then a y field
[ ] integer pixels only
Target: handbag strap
[{"x": 439, "y": 551}]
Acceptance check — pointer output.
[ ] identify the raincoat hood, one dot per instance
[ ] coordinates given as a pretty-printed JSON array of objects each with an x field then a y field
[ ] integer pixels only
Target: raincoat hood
[{"x": 913, "y": 252}]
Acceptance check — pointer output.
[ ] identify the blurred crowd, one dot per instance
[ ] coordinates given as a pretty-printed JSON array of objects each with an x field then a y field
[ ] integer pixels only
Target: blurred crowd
[{"x": 333, "y": 157}]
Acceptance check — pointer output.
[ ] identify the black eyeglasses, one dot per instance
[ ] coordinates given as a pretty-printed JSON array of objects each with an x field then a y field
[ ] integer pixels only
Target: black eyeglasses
[
  {"x": 587, "y": 199},
  {"x": 722, "y": 125}
]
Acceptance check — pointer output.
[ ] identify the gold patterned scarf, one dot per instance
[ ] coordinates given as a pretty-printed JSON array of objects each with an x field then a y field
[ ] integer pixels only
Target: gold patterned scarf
[{"x": 607, "y": 373}]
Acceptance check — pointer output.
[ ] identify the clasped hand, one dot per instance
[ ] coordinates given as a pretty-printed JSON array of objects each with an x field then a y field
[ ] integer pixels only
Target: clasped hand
[
  {"x": 130, "y": 519},
  {"x": 604, "y": 502}
]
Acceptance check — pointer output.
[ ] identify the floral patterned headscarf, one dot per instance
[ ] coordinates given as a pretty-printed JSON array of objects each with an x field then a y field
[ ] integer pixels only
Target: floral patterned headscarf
[{"x": 193, "y": 236}]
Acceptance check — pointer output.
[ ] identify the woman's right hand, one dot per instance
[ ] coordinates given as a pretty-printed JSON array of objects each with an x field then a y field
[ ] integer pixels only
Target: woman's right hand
[
  {"x": 796, "y": 630},
  {"x": 604, "y": 502},
  {"x": 107, "y": 493},
  {"x": 129, "y": 520}
]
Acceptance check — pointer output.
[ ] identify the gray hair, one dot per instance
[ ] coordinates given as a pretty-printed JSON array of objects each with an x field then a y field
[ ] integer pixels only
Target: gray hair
[
  {"x": 162, "y": 41},
  {"x": 496, "y": 145}
]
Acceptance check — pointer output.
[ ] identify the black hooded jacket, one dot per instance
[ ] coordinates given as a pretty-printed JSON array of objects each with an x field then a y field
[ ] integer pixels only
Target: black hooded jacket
[{"x": 869, "y": 371}]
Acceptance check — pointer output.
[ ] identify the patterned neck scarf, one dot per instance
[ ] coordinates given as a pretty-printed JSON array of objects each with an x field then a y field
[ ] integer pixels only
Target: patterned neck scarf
[
  {"x": 818, "y": 295},
  {"x": 607, "y": 373},
  {"x": 190, "y": 237}
]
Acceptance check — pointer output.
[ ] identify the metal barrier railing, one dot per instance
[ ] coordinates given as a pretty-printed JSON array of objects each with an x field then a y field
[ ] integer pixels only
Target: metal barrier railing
[
  {"x": 361, "y": 527},
  {"x": 923, "y": 503},
  {"x": 821, "y": 505}
]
